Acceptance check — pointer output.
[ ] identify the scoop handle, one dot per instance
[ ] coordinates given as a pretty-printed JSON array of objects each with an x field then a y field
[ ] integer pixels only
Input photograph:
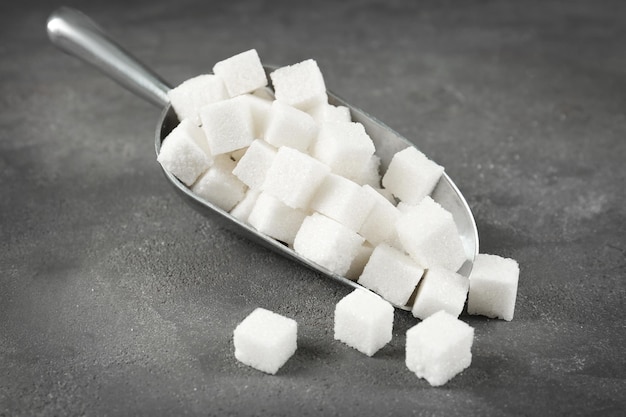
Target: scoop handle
[{"x": 76, "y": 34}]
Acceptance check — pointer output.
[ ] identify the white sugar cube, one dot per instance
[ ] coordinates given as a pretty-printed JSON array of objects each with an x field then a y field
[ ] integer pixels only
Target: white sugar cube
[
  {"x": 363, "y": 321},
  {"x": 254, "y": 164},
  {"x": 242, "y": 73},
  {"x": 294, "y": 177},
  {"x": 345, "y": 147},
  {"x": 411, "y": 175},
  {"x": 327, "y": 243},
  {"x": 493, "y": 287},
  {"x": 260, "y": 111},
  {"x": 288, "y": 126},
  {"x": 300, "y": 85},
  {"x": 243, "y": 209},
  {"x": 325, "y": 112},
  {"x": 370, "y": 173},
  {"x": 194, "y": 93},
  {"x": 439, "y": 348},
  {"x": 185, "y": 152},
  {"x": 359, "y": 261},
  {"x": 343, "y": 200},
  {"x": 379, "y": 225},
  {"x": 391, "y": 274},
  {"x": 227, "y": 125},
  {"x": 275, "y": 219},
  {"x": 219, "y": 186},
  {"x": 429, "y": 235},
  {"x": 440, "y": 289},
  {"x": 265, "y": 340}
]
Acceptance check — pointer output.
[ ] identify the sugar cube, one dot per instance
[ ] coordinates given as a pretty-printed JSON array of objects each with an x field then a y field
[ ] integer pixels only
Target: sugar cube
[
  {"x": 194, "y": 93},
  {"x": 254, "y": 164},
  {"x": 379, "y": 225},
  {"x": 429, "y": 235},
  {"x": 227, "y": 125},
  {"x": 275, "y": 219},
  {"x": 242, "y": 73},
  {"x": 391, "y": 274},
  {"x": 294, "y": 177},
  {"x": 219, "y": 186},
  {"x": 185, "y": 152},
  {"x": 493, "y": 287},
  {"x": 411, "y": 175},
  {"x": 345, "y": 147},
  {"x": 300, "y": 85},
  {"x": 343, "y": 200},
  {"x": 265, "y": 340},
  {"x": 363, "y": 321},
  {"x": 243, "y": 209},
  {"x": 440, "y": 289},
  {"x": 288, "y": 126},
  {"x": 327, "y": 243},
  {"x": 439, "y": 347},
  {"x": 325, "y": 112}
]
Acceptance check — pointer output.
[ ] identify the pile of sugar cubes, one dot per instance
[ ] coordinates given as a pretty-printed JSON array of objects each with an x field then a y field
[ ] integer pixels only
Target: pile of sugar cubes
[{"x": 300, "y": 171}]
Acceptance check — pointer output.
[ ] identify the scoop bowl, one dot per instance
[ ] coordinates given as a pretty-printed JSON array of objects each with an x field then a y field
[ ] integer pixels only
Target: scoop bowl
[{"x": 76, "y": 34}]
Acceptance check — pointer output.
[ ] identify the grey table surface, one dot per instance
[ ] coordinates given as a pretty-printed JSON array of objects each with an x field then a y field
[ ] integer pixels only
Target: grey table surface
[{"x": 116, "y": 298}]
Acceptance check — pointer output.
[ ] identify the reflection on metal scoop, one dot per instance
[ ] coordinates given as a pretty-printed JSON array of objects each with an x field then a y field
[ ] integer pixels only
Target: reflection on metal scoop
[{"x": 78, "y": 35}]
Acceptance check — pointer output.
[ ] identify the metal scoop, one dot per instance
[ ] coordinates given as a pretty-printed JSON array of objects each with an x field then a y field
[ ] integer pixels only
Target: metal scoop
[{"x": 76, "y": 34}]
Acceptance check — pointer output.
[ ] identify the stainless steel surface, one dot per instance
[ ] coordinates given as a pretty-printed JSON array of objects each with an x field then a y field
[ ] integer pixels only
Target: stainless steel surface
[{"x": 73, "y": 31}]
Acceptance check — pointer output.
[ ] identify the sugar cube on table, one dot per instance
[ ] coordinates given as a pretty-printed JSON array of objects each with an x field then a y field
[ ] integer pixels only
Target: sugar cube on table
[
  {"x": 359, "y": 261},
  {"x": 343, "y": 200},
  {"x": 189, "y": 96},
  {"x": 288, "y": 126},
  {"x": 327, "y": 243},
  {"x": 379, "y": 225},
  {"x": 243, "y": 209},
  {"x": 325, "y": 112},
  {"x": 439, "y": 348},
  {"x": 275, "y": 219},
  {"x": 345, "y": 147},
  {"x": 242, "y": 73},
  {"x": 411, "y": 176},
  {"x": 265, "y": 340},
  {"x": 440, "y": 289},
  {"x": 363, "y": 321},
  {"x": 429, "y": 235},
  {"x": 391, "y": 274},
  {"x": 185, "y": 152},
  {"x": 294, "y": 177},
  {"x": 252, "y": 168},
  {"x": 219, "y": 186},
  {"x": 260, "y": 111},
  {"x": 227, "y": 125},
  {"x": 300, "y": 85},
  {"x": 493, "y": 287}
]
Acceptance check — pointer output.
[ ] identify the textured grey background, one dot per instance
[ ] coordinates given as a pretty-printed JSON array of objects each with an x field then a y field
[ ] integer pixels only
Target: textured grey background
[{"x": 118, "y": 299}]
